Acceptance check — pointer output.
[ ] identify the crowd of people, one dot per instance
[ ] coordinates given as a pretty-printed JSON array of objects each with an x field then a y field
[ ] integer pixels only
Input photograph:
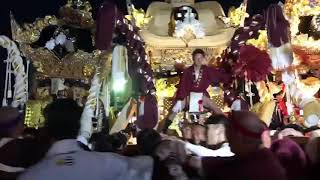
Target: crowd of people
[{"x": 239, "y": 146}]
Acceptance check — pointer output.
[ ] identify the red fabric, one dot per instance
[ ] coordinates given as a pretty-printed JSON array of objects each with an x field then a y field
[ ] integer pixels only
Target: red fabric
[
  {"x": 209, "y": 76},
  {"x": 259, "y": 165},
  {"x": 283, "y": 108},
  {"x": 150, "y": 117},
  {"x": 254, "y": 62}
]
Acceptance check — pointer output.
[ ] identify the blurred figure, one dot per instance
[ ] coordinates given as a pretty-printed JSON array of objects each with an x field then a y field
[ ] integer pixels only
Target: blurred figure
[
  {"x": 289, "y": 132},
  {"x": 313, "y": 152},
  {"x": 187, "y": 132},
  {"x": 196, "y": 78},
  {"x": 199, "y": 134},
  {"x": 291, "y": 157},
  {"x": 248, "y": 137},
  {"x": 216, "y": 135},
  {"x": 101, "y": 143},
  {"x": 66, "y": 160},
  {"x": 147, "y": 141},
  {"x": 17, "y": 153},
  {"x": 169, "y": 158}
]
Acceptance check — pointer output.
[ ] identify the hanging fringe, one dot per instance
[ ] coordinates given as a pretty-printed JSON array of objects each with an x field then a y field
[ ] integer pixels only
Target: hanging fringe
[
  {"x": 90, "y": 107},
  {"x": 20, "y": 94}
]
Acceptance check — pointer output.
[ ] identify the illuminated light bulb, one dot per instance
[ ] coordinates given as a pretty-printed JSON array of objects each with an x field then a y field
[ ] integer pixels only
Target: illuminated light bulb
[{"x": 119, "y": 85}]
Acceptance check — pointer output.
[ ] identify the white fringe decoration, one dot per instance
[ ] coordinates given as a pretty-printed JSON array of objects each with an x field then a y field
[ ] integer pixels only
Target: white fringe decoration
[
  {"x": 90, "y": 107},
  {"x": 189, "y": 23},
  {"x": 194, "y": 25},
  {"x": 21, "y": 79}
]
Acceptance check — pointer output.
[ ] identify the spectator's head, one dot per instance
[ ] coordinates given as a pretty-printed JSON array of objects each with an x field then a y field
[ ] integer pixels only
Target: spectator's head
[
  {"x": 287, "y": 132},
  {"x": 291, "y": 130},
  {"x": 216, "y": 129},
  {"x": 198, "y": 56},
  {"x": 163, "y": 150},
  {"x": 291, "y": 157},
  {"x": 187, "y": 131},
  {"x": 169, "y": 148},
  {"x": 199, "y": 134},
  {"x": 119, "y": 140},
  {"x": 313, "y": 132},
  {"x": 246, "y": 133},
  {"x": 63, "y": 119},
  {"x": 147, "y": 141},
  {"x": 101, "y": 142},
  {"x": 11, "y": 122}
]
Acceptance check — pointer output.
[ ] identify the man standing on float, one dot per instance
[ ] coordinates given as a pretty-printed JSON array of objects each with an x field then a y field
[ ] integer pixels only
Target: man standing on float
[{"x": 197, "y": 79}]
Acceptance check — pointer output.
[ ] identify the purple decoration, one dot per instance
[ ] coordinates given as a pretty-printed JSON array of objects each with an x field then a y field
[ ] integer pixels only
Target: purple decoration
[
  {"x": 277, "y": 26},
  {"x": 135, "y": 47}
]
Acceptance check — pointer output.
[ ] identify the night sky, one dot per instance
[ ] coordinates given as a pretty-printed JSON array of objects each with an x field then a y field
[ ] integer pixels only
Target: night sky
[{"x": 29, "y": 10}]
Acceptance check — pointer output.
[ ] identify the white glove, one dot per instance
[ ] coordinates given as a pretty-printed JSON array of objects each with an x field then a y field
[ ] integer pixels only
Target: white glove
[
  {"x": 177, "y": 107},
  {"x": 288, "y": 78},
  {"x": 311, "y": 120},
  {"x": 236, "y": 105}
]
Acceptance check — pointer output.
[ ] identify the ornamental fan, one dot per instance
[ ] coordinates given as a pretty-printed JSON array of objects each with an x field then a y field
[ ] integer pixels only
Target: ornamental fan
[{"x": 253, "y": 64}]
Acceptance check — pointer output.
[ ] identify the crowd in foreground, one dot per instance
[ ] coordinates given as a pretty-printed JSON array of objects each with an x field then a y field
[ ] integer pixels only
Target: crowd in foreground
[{"x": 235, "y": 147}]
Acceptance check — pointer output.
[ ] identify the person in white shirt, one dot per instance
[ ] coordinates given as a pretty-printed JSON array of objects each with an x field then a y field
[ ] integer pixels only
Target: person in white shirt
[
  {"x": 216, "y": 142},
  {"x": 66, "y": 160},
  {"x": 201, "y": 151},
  {"x": 217, "y": 145}
]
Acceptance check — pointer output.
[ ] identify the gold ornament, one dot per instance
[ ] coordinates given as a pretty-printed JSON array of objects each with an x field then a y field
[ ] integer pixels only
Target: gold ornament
[
  {"x": 75, "y": 14},
  {"x": 236, "y": 15},
  {"x": 88, "y": 70},
  {"x": 188, "y": 36},
  {"x": 71, "y": 66},
  {"x": 261, "y": 42},
  {"x": 33, "y": 116},
  {"x": 139, "y": 17}
]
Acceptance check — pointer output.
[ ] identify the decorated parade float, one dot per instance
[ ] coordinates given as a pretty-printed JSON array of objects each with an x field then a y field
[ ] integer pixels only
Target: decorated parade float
[{"x": 125, "y": 68}]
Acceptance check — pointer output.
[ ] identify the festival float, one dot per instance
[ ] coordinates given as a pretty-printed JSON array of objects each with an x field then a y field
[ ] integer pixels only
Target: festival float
[{"x": 125, "y": 69}]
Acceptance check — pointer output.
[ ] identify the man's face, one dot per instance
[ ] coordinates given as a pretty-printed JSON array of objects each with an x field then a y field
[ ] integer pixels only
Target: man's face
[
  {"x": 198, "y": 59},
  {"x": 187, "y": 132},
  {"x": 215, "y": 134},
  {"x": 164, "y": 150},
  {"x": 199, "y": 134}
]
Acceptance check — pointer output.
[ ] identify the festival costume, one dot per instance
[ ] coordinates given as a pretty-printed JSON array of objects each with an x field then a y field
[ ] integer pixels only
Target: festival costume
[
  {"x": 192, "y": 82},
  {"x": 189, "y": 82},
  {"x": 197, "y": 83},
  {"x": 278, "y": 35}
]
